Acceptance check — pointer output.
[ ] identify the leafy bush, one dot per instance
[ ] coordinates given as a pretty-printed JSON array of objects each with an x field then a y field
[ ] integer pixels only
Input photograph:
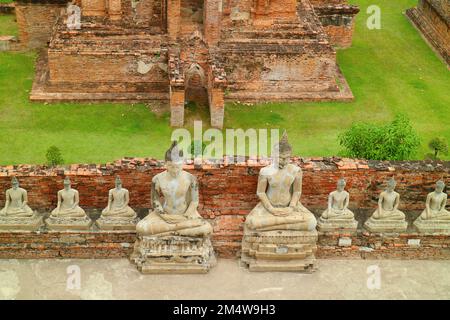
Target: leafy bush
[
  {"x": 438, "y": 145},
  {"x": 393, "y": 141},
  {"x": 54, "y": 156}
]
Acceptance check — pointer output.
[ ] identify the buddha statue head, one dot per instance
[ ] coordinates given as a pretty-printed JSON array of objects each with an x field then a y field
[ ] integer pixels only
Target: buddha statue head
[
  {"x": 174, "y": 160},
  {"x": 440, "y": 186},
  {"x": 282, "y": 152},
  {"x": 391, "y": 184},
  {"x": 67, "y": 183},
  {"x": 15, "y": 183},
  {"x": 341, "y": 184},
  {"x": 118, "y": 183}
]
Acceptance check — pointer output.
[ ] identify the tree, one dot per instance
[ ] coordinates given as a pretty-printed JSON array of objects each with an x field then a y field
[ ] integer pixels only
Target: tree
[
  {"x": 54, "y": 156},
  {"x": 393, "y": 141},
  {"x": 438, "y": 144}
]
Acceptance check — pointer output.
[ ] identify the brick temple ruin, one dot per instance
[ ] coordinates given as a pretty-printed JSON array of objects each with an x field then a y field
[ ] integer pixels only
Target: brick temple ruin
[
  {"x": 176, "y": 51},
  {"x": 432, "y": 19}
]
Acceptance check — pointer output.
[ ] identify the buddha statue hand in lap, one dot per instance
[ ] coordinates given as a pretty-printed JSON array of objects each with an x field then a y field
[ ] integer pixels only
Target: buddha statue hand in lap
[
  {"x": 387, "y": 215},
  {"x": 338, "y": 201},
  {"x": 435, "y": 218},
  {"x": 17, "y": 215},
  {"x": 279, "y": 233},
  {"x": 118, "y": 215},
  {"x": 435, "y": 204},
  {"x": 279, "y": 190},
  {"x": 118, "y": 200},
  {"x": 175, "y": 200},
  {"x": 16, "y": 204},
  {"x": 68, "y": 200},
  {"x": 68, "y": 215},
  {"x": 337, "y": 216}
]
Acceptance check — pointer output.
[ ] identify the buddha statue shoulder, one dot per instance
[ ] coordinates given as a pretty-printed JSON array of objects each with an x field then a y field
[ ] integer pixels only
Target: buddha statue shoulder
[
  {"x": 118, "y": 200},
  {"x": 68, "y": 203},
  {"x": 175, "y": 200},
  {"x": 16, "y": 204},
  {"x": 435, "y": 204},
  {"x": 338, "y": 201},
  {"x": 388, "y": 204},
  {"x": 279, "y": 190}
]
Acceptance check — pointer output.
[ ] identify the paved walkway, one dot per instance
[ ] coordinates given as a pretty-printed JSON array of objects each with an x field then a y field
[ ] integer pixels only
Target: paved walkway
[{"x": 118, "y": 279}]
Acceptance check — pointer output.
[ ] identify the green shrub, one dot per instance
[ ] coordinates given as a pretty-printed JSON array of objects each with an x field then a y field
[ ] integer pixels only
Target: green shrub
[
  {"x": 438, "y": 145},
  {"x": 54, "y": 156},
  {"x": 393, "y": 141}
]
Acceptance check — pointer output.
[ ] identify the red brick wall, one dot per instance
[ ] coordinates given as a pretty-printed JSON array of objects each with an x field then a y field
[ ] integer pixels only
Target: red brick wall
[
  {"x": 231, "y": 189},
  {"x": 35, "y": 22},
  {"x": 228, "y": 193}
]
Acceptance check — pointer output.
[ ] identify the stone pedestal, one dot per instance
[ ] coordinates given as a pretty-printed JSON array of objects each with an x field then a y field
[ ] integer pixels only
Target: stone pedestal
[
  {"x": 173, "y": 254},
  {"x": 117, "y": 223},
  {"x": 385, "y": 226},
  {"x": 432, "y": 226},
  {"x": 337, "y": 225},
  {"x": 11, "y": 223},
  {"x": 279, "y": 250},
  {"x": 66, "y": 223}
]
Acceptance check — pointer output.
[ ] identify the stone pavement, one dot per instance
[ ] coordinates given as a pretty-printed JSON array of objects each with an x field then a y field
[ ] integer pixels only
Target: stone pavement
[{"x": 118, "y": 279}]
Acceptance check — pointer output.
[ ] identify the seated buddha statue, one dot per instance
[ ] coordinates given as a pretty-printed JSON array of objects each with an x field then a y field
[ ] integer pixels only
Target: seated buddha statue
[
  {"x": 388, "y": 204},
  {"x": 16, "y": 202},
  {"x": 387, "y": 217},
  {"x": 279, "y": 190},
  {"x": 175, "y": 200},
  {"x": 118, "y": 200},
  {"x": 435, "y": 204},
  {"x": 338, "y": 201},
  {"x": 68, "y": 200}
]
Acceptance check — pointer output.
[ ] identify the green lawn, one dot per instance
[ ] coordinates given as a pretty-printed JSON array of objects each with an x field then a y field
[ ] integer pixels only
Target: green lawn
[
  {"x": 389, "y": 70},
  {"x": 8, "y": 25}
]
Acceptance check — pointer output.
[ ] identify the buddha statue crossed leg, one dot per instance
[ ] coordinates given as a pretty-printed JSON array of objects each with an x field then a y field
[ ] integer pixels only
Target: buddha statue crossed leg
[
  {"x": 173, "y": 237},
  {"x": 279, "y": 226}
]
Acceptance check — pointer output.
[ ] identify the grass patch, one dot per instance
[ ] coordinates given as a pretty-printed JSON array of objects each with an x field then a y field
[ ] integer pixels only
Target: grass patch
[
  {"x": 389, "y": 70},
  {"x": 8, "y": 25}
]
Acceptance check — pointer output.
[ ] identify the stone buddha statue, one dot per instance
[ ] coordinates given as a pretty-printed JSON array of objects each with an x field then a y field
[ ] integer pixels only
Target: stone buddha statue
[
  {"x": 435, "y": 218},
  {"x": 387, "y": 217},
  {"x": 17, "y": 215},
  {"x": 337, "y": 215},
  {"x": 16, "y": 202},
  {"x": 68, "y": 214},
  {"x": 175, "y": 202},
  {"x": 68, "y": 200},
  {"x": 118, "y": 214},
  {"x": 279, "y": 190},
  {"x": 279, "y": 233},
  {"x": 173, "y": 237}
]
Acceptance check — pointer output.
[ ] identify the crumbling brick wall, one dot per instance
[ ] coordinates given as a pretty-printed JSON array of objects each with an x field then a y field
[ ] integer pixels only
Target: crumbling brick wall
[
  {"x": 35, "y": 19},
  {"x": 228, "y": 193},
  {"x": 432, "y": 18}
]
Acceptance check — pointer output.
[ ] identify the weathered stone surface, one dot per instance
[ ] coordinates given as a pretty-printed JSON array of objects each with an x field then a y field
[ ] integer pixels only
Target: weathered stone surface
[
  {"x": 146, "y": 50},
  {"x": 283, "y": 250},
  {"x": 173, "y": 254}
]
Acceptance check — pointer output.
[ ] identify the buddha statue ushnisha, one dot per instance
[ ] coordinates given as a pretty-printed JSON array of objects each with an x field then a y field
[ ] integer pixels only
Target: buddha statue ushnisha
[
  {"x": 388, "y": 204},
  {"x": 16, "y": 204},
  {"x": 435, "y": 204},
  {"x": 387, "y": 217},
  {"x": 175, "y": 200},
  {"x": 338, "y": 201},
  {"x": 279, "y": 190},
  {"x": 118, "y": 200},
  {"x": 68, "y": 203}
]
